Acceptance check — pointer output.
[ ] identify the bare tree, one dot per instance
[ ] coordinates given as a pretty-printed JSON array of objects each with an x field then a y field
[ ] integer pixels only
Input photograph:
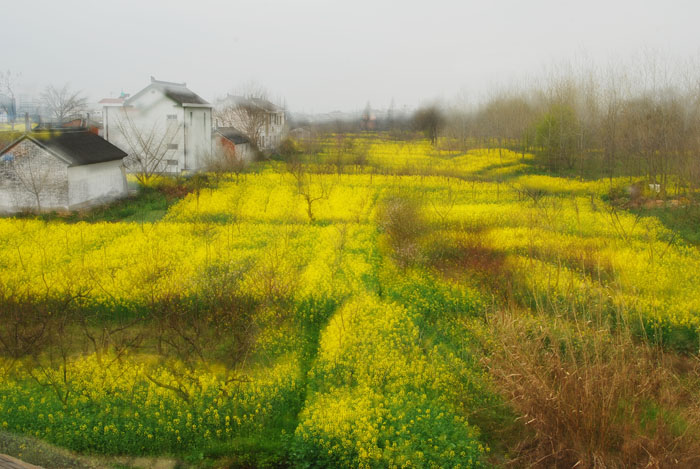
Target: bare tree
[
  {"x": 247, "y": 111},
  {"x": 225, "y": 160},
  {"x": 31, "y": 174},
  {"x": 63, "y": 103},
  {"x": 8, "y": 82},
  {"x": 149, "y": 146},
  {"x": 311, "y": 186}
]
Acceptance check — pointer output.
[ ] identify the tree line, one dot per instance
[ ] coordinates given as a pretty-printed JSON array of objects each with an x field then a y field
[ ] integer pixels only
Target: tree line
[{"x": 641, "y": 121}]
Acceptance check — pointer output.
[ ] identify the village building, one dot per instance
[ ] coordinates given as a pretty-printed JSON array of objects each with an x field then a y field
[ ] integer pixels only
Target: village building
[
  {"x": 230, "y": 142},
  {"x": 60, "y": 169},
  {"x": 261, "y": 117},
  {"x": 166, "y": 114}
]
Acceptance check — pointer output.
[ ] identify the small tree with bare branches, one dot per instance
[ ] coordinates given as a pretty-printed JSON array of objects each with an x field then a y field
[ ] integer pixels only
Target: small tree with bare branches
[
  {"x": 246, "y": 111},
  {"x": 7, "y": 87},
  {"x": 311, "y": 186},
  {"x": 63, "y": 103},
  {"x": 30, "y": 174},
  {"x": 148, "y": 145}
]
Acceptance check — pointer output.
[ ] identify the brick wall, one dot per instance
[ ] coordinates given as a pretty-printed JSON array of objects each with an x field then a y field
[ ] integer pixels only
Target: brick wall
[{"x": 28, "y": 171}]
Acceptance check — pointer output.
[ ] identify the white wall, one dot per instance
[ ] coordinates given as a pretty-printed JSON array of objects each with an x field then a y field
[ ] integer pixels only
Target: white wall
[
  {"x": 96, "y": 183},
  {"x": 198, "y": 136},
  {"x": 273, "y": 130},
  {"x": 222, "y": 145},
  {"x": 149, "y": 113}
]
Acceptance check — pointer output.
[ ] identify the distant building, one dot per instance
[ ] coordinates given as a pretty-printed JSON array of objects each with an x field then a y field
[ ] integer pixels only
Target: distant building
[
  {"x": 58, "y": 170},
  {"x": 86, "y": 123},
  {"x": 31, "y": 106},
  {"x": 230, "y": 141},
  {"x": 172, "y": 114},
  {"x": 272, "y": 122},
  {"x": 300, "y": 133},
  {"x": 8, "y": 109},
  {"x": 368, "y": 120}
]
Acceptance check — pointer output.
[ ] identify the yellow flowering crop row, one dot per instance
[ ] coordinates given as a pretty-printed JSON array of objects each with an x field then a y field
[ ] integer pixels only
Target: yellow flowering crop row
[{"x": 371, "y": 356}]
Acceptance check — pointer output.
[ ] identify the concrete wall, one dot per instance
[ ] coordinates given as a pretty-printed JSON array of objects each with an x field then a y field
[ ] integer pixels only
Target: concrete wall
[
  {"x": 273, "y": 130},
  {"x": 148, "y": 116},
  {"x": 222, "y": 146},
  {"x": 96, "y": 183},
  {"x": 28, "y": 166},
  {"x": 198, "y": 137},
  {"x": 188, "y": 128}
]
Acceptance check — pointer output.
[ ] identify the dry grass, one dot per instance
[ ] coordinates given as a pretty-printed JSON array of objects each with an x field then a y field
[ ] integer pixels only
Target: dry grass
[{"x": 595, "y": 399}]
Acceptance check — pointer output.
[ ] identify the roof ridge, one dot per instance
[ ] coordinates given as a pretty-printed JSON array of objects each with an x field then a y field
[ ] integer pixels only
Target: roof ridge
[{"x": 168, "y": 83}]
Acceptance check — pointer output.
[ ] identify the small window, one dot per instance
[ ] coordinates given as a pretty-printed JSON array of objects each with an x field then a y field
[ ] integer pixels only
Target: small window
[
  {"x": 172, "y": 146},
  {"x": 172, "y": 162},
  {"x": 172, "y": 117}
]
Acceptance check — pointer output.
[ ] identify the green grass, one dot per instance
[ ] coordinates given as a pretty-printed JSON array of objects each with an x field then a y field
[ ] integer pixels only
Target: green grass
[
  {"x": 146, "y": 206},
  {"x": 683, "y": 221}
]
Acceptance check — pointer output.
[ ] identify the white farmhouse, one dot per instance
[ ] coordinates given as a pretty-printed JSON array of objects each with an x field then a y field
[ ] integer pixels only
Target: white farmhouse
[
  {"x": 267, "y": 118},
  {"x": 174, "y": 121},
  {"x": 58, "y": 170}
]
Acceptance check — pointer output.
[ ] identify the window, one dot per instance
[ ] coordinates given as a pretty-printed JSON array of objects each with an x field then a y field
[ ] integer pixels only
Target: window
[
  {"x": 172, "y": 146},
  {"x": 172, "y": 117},
  {"x": 172, "y": 162},
  {"x": 6, "y": 167}
]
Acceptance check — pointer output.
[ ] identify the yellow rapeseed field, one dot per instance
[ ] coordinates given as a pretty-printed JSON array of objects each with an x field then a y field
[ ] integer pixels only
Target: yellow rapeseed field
[{"x": 372, "y": 367}]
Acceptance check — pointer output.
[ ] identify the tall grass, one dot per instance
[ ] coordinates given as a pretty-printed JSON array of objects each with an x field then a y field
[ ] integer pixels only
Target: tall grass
[{"x": 595, "y": 398}]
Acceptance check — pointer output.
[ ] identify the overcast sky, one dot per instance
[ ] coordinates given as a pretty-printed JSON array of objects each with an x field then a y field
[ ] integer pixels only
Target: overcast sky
[{"x": 329, "y": 55}]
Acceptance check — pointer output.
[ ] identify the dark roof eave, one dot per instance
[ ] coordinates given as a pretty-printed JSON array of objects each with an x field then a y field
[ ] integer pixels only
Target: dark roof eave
[
  {"x": 204, "y": 106},
  {"x": 74, "y": 148}
]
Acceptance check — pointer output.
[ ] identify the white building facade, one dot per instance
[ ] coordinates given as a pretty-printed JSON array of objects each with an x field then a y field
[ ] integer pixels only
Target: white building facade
[{"x": 171, "y": 117}]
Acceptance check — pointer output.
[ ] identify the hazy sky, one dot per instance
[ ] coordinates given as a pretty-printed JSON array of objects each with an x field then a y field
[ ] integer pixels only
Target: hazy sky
[{"x": 328, "y": 55}]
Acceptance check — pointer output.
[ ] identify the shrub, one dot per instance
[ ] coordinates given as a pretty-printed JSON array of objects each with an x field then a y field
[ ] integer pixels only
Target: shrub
[
  {"x": 594, "y": 398},
  {"x": 400, "y": 218}
]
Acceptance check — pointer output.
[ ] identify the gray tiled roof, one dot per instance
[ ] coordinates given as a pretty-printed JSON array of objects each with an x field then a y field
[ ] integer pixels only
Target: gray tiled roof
[
  {"x": 178, "y": 92},
  {"x": 233, "y": 134},
  {"x": 77, "y": 147}
]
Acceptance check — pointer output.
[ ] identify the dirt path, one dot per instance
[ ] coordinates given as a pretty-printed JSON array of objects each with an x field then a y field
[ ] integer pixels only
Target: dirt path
[{"x": 7, "y": 462}]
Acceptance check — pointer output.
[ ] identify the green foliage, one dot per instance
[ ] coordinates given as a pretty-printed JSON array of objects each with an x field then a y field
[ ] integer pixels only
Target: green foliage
[
  {"x": 557, "y": 136},
  {"x": 289, "y": 149}
]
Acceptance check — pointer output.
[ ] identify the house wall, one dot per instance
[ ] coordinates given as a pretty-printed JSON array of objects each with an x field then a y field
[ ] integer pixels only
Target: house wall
[
  {"x": 245, "y": 152},
  {"x": 96, "y": 183},
  {"x": 28, "y": 166},
  {"x": 148, "y": 116},
  {"x": 273, "y": 130},
  {"x": 242, "y": 150},
  {"x": 190, "y": 129},
  {"x": 198, "y": 136}
]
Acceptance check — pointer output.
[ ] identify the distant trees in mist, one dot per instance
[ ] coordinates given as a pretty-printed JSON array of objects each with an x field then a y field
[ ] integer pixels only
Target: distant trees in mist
[{"x": 639, "y": 121}]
